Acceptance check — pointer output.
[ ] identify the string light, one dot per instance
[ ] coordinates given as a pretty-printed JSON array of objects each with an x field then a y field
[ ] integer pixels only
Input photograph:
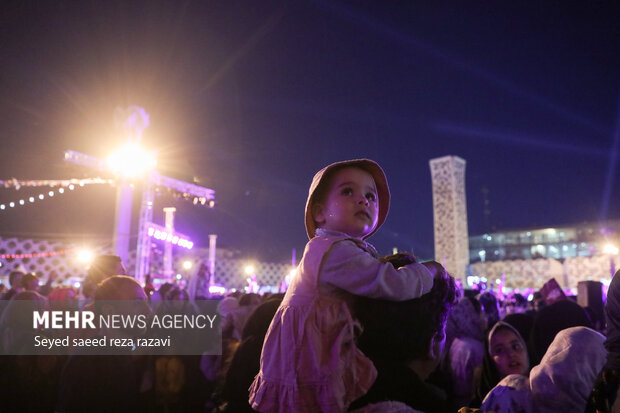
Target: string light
[
  {"x": 189, "y": 197},
  {"x": 32, "y": 199},
  {"x": 35, "y": 255},
  {"x": 16, "y": 183},
  {"x": 161, "y": 234}
]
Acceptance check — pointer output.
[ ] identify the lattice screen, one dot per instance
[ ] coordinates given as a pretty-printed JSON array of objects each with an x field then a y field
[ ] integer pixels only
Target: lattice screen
[
  {"x": 228, "y": 271},
  {"x": 65, "y": 263}
]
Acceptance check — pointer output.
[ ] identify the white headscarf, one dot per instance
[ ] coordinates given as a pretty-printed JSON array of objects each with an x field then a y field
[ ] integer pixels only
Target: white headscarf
[
  {"x": 560, "y": 383},
  {"x": 564, "y": 378}
]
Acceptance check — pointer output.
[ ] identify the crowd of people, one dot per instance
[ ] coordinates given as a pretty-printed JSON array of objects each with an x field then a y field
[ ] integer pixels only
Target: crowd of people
[{"x": 354, "y": 332}]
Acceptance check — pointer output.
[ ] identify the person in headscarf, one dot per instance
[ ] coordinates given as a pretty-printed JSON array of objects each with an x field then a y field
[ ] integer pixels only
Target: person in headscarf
[
  {"x": 605, "y": 391},
  {"x": 511, "y": 395},
  {"x": 523, "y": 323},
  {"x": 552, "y": 319},
  {"x": 506, "y": 354},
  {"x": 560, "y": 383},
  {"x": 245, "y": 363},
  {"x": 465, "y": 348},
  {"x": 490, "y": 306}
]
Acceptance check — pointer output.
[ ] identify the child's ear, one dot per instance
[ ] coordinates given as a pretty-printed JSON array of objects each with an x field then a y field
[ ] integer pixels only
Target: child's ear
[{"x": 317, "y": 214}]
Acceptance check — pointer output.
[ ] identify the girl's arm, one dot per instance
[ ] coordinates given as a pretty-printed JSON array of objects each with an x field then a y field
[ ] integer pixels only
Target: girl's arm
[{"x": 349, "y": 267}]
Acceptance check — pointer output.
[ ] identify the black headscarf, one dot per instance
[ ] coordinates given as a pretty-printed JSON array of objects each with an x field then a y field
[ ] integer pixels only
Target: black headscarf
[
  {"x": 551, "y": 320},
  {"x": 612, "y": 314},
  {"x": 606, "y": 386}
]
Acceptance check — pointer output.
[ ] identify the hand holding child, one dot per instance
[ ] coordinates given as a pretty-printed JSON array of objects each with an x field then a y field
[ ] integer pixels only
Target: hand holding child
[
  {"x": 436, "y": 269},
  {"x": 400, "y": 259}
]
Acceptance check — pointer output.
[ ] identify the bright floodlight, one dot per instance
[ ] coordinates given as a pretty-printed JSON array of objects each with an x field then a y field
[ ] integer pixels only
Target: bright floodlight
[
  {"x": 610, "y": 249},
  {"x": 85, "y": 256},
  {"x": 131, "y": 161},
  {"x": 187, "y": 265},
  {"x": 249, "y": 270}
]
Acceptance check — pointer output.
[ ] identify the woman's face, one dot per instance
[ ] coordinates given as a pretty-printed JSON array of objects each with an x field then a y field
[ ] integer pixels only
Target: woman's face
[{"x": 508, "y": 353}]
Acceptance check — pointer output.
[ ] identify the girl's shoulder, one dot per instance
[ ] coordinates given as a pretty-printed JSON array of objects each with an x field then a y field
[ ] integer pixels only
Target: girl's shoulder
[{"x": 324, "y": 243}]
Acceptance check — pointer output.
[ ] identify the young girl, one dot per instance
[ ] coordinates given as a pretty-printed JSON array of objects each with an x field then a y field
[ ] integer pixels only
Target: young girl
[{"x": 309, "y": 361}]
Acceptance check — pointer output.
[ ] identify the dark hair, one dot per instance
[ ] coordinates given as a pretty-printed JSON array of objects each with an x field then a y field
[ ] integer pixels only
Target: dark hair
[
  {"x": 14, "y": 275},
  {"x": 164, "y": 289},
  {"x": 490, "y": 306},
  {"x": 103, "y": 266},
  {"x": 475, "y": 303},
  {"x": 26, "y": 278},
  {"x": 109, "y": 288},
  {"x": 402, "y": 331},
  {"x": 249, "y": 299}
]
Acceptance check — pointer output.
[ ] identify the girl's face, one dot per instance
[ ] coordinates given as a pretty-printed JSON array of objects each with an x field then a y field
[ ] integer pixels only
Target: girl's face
[
  {"x": 351, "y": 205},
  {"x": 508, "y": 353}
]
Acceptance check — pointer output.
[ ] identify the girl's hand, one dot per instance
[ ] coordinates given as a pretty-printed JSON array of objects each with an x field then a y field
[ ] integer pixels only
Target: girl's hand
[
  {"x": 400, "y": 259},
  {"x": 435, "y": 268}
]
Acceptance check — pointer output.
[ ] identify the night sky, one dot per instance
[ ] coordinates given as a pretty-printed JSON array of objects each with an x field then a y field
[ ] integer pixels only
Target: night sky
[{"x": 250, "y": 98}]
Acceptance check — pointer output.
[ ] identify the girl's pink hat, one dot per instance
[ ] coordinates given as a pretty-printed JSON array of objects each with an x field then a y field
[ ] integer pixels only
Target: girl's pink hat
[{"x": 373, "y": 168}]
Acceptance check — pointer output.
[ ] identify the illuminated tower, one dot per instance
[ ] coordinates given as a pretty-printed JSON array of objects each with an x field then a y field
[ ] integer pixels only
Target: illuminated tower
[{"x": 450, "y": 214}]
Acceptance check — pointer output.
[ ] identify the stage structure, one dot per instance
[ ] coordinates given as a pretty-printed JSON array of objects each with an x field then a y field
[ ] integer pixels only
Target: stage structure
[
  {"x": 450, "y": 214},
  {"x": 133, "y": 121}
]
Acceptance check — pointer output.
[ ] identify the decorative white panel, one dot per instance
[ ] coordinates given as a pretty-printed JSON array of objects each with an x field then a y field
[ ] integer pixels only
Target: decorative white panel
[
  {"x": 450, "y": 214},
  {"x": 228, "y": 271},
  {"x": 589, "y": 268},
  {"x": 534, "y": 273},
  {"x": 42, "y": 263}
]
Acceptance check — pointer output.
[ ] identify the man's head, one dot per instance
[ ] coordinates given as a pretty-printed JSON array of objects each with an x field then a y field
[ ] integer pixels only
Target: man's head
[
  {"x": 30, "y": 282},
  {"x": 103, "y": 266},
  {"x": 119, "y": 287},
  {"x": 407, "y": 330},
  {"x": 15, "y": 279},
  {"x": 131, "y": 297}
]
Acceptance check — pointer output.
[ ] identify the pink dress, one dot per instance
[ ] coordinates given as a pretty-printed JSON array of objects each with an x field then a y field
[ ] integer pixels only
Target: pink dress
[{"x": 310, "y": 362}]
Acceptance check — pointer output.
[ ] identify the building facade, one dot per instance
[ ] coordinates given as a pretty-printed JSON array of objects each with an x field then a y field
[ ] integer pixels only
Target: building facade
[{"x": 580, "y": 240}]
